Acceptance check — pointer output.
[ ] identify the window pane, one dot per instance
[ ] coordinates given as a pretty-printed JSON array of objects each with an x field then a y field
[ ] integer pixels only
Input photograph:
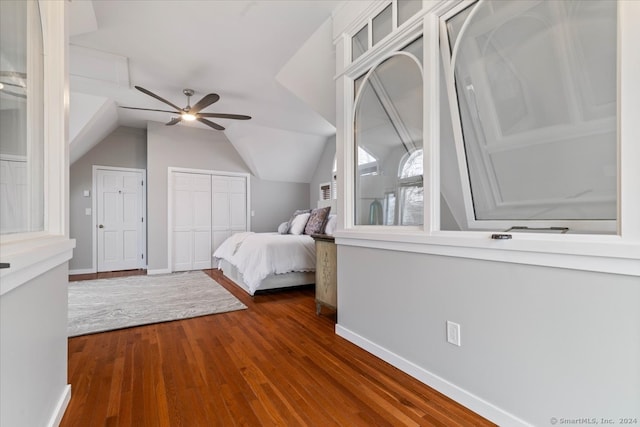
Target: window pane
[
  {"x": 360, "y": 43},
  {"x": 407, "y": 8},
  {"x": 388, "y": 128},
  {"x": 536, "y": 90},
  {"x": 382, "y": 25},
  {"x": 21, "y": 118},
  {"x": 413, "y": 165},
  {"x": 411, "y": 200}
]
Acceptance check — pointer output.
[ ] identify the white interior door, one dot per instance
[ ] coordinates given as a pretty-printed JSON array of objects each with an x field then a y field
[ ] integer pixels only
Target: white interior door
[
  {"x": 120, "y": 219},
  {"x": 191, "y": 221}
]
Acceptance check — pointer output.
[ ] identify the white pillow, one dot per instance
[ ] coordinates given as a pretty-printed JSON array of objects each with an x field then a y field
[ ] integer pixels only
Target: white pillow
[
  {"x": 298, "y": 223},
  {"x": 331, "y": 225},
  {"x": 283, "y": 228}
]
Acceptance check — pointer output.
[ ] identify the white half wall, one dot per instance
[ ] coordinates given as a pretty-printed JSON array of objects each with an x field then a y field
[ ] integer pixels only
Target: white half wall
[{"x": 33, "y": 351}]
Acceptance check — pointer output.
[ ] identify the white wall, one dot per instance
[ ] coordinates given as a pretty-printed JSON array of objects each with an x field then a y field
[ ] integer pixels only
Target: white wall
[{"x": 33, "y": 350}]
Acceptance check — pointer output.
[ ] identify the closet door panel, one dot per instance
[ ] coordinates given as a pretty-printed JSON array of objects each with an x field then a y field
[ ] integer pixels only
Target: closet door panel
[
  {"x": 238, "y": 211},
  {"x": 181, "y": 251},
  {"x": 221, "y": 212},
  {"x": 201, "y": 250},
  {"x": 191, "y": 221}
]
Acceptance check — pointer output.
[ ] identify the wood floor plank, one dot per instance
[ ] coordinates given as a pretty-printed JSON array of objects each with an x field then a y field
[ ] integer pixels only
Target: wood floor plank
[{"x": 275, "y": 364}]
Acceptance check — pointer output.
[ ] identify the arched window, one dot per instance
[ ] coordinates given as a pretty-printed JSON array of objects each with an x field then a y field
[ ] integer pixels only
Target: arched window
[{"x": 388, "y": 125}]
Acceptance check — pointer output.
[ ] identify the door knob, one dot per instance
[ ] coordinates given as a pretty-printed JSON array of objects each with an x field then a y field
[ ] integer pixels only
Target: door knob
[{"x": 101, "y": 226}]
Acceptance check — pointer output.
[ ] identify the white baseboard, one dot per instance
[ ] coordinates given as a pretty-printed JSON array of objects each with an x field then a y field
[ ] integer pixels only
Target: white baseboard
[
  {"x": 159, "y": 271},
  {"x": 61, "y": 407},
  {"x": 463, "y": 397},
  {"x": 81, "y": 271}
]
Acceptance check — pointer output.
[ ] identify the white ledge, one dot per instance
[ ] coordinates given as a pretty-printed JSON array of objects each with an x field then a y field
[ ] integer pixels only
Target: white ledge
[
  {"x": 32, "y": 257},
  {"x": 606, "y": 254}
]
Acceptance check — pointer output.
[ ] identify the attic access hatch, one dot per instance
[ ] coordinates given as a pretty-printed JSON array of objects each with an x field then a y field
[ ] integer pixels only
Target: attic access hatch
[{"x": 531, "y": 88}]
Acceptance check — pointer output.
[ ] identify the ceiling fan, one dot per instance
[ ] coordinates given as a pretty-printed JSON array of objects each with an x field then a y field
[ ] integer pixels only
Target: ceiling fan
[
  {"x": 191, "y": 113},
  {"x": 15, "y": 81}
]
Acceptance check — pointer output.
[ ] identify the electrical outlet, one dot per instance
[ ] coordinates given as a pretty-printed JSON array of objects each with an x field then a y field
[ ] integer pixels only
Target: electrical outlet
[{"x": 453, "y": 333}]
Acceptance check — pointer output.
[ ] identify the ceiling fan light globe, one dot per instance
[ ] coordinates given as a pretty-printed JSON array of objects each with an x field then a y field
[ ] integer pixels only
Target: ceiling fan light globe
[{"x": 188, "y": 117}]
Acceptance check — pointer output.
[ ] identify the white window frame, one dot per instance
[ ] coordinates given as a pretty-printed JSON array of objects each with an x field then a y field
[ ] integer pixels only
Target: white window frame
[
  {"x": 32, "y": 254},
  {"x": 396, "y": 50},
  {"x": 608, "y": 226},
  {"x": 619, "y": 253}
]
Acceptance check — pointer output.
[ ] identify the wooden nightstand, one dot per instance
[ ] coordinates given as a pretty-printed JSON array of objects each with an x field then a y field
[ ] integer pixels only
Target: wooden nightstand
[{"x": 326, "y": 272}]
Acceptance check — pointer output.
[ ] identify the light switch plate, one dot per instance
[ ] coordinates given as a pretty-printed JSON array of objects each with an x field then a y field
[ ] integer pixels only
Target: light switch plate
[
  {"x": 87, "y": 211},
  {"x": 453, "y": 333}
]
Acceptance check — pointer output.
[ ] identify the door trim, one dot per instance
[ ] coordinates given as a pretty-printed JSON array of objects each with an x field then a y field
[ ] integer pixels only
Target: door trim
[
  {"x": 94, "y": 216},
  {"x": 170, "y": 171}
]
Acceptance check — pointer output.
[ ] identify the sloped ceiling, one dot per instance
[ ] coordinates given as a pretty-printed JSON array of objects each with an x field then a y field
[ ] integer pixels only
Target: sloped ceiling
[{"x": 248, "y": 52}]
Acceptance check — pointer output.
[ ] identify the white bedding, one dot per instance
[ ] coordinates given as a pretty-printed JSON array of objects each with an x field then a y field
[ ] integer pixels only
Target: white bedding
[{"x": 258, "y": 255}]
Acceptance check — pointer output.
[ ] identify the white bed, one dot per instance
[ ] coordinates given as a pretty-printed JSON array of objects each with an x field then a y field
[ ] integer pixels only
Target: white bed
[{"x": 261, "y": 261}]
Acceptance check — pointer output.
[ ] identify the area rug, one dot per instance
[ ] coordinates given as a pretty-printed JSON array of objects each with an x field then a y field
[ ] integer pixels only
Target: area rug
[{"x": 107, "y": 304}]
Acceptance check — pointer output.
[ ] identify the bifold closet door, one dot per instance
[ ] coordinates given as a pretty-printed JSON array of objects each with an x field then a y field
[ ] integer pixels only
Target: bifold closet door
[
  {"x": 191, "y": 221},
  {"x": 229, "y": 207}
]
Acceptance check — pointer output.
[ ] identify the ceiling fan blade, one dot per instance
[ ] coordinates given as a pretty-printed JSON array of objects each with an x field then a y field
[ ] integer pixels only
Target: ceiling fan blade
[
  {"x": 225, "y": 116},
  {"x": 204, "y": 102},
  {"x": 149, "y": 109},
  {"x": 173, "y": 121},
  {"x": 18, "y": 95},
  {"x": 159, "y": 98},
  {"x": 210, "y": 123},
  {"x": 13, "y": 84}
]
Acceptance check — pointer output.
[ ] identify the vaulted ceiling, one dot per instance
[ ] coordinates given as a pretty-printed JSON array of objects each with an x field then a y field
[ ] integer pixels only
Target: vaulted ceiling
[{"x": 272, "y": 60}]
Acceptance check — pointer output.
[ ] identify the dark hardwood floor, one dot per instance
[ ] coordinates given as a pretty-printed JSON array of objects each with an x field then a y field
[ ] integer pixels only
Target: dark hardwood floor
[{"x": 276, "y": 363}]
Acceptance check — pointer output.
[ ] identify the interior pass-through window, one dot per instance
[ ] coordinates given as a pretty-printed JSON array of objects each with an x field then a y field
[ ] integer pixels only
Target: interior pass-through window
[{"x": 531, "y": 91}]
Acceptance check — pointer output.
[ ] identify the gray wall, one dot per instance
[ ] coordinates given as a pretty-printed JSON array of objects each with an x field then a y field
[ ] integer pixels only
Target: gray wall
[
  {"x": 323, "y": 171},
  {"x": 33, "y": 349},
  {"x": 156, "y": 149},
  {"x": 125, "y": 147},
  {"x": 537, "y": 342},
  {"x": 187, "y": 147},
  {"x": 273, "y": 202},
  {"x": 179, "y": 146}
]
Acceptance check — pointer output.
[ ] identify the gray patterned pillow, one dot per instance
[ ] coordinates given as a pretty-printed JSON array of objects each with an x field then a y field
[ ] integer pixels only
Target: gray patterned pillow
[{"x": 316, "y": 222}]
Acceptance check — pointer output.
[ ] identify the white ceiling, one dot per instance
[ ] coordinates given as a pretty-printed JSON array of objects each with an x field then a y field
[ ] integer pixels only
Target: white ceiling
[{"x": 272, "y": 60}]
